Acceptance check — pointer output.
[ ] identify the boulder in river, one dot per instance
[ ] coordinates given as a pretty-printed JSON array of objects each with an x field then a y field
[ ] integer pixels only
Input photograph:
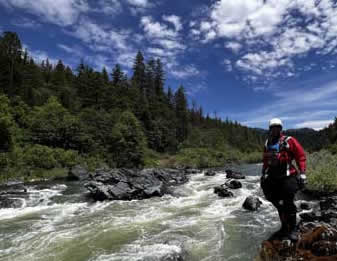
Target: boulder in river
[
  {"x": 128, "y": 184},
  {"x": 252, "y": 203},
  {"x": 210, "y": 173},
  {"x": 230, "y": 174},
  {"x": 233, "y": 184},
  {"x": 12, "y": 195},
  {"x": 7, "y": 202},
  {"x": 78, "y": 172},
  {"x": 223, "y": 192}
]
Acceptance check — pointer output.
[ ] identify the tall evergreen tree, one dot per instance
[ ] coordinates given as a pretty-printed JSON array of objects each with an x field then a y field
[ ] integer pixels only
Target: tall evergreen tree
[
  {"x": 181, "y": 109},
  {"x": 138, "y": 78}
]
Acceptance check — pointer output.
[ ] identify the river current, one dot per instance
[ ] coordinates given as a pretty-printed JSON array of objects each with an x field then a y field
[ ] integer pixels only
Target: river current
[{"x": 58, "y": 223}]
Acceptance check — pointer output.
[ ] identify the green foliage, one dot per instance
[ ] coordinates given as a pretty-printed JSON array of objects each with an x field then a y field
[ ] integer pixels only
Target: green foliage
[
  {"x": 127, "y": 142},
  {"x": 6, "y": 125},
  {"x": 322, "y": 171},
  {"x": 204, "y": 158},
  {"x": 39, "y": 156},
  {"x": 52, "y": 125}
]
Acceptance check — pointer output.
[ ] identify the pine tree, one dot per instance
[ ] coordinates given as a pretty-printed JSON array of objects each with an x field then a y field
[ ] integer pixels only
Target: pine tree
[
  {"x": 180, "y": 102},
  {"x": 117, "y": 75},
  {"x": 138, "y": 78},
  {"x": 159, "y": 79},
  {"x": 10, "y": 56}
]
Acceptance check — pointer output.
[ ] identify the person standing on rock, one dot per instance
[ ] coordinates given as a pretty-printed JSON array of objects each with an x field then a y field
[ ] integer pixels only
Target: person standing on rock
[{"x": 280, "y": 179}]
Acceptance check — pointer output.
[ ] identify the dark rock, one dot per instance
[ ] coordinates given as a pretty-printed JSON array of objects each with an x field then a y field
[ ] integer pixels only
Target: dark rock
[
  {"x": 78, "y": 172},
  {"x": 210, "y": 173},
  {"x": 305, "y": 206},
  {"x": 310, "y": 217},
  {"x": 252, "y": 203},
  {"x": 223, "y": 192},
  {"x": 192, "y": 171},
  {"x": 233, "y": 184},
  {"x": 13, "y": 189},
  {"x": 127, "y": 184},
  {"x": 6, "y": 202},
  {"x": 230, "y": 174}
]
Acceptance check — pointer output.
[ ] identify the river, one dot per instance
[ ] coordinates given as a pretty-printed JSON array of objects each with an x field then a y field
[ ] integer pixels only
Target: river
[{"x": 58, "y": 223}]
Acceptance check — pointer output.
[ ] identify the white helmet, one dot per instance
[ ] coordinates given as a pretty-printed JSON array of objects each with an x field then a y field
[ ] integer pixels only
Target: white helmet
[{"x": 275, "y": 122}]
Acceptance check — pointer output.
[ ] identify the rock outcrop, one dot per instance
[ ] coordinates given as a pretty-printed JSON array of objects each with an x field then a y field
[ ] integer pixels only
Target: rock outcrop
[
  {"x": 233, "y": 184},
  {"x": 230, "y": 174},
  {"x": 78, "y": 172},
  {"x": 127, "y": 184},
  {"x": 317, "y": 236},
  {"x": 222, "y": 191},
  {"x": 210, "y": 173},
  {"x": 252, "y": 203},
  {"x": 12, "y": 194}
]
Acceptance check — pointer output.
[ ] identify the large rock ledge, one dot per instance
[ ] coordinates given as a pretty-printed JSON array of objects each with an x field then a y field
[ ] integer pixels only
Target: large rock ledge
[{"x": 128, "y": 184}]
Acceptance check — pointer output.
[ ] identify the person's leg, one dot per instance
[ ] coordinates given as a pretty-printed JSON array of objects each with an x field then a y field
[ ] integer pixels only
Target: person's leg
[
  {"x": 290, "y": 187},
  {"x": 271, "y": 191}
]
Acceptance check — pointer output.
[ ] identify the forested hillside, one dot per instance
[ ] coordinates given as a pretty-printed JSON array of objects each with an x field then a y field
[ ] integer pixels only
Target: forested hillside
[{"x": 52, "y": 116}]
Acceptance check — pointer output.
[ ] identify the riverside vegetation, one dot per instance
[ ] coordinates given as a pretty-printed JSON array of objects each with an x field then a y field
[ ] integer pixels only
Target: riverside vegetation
[{"x": 52, "y": 118}]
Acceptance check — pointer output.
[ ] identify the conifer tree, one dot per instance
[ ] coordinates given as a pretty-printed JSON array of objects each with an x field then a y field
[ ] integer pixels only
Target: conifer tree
[{"x": 138, "y": 78}]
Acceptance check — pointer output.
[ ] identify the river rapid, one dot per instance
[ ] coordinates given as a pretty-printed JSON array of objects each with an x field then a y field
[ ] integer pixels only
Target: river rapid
[{"x": 58, "y": 223}]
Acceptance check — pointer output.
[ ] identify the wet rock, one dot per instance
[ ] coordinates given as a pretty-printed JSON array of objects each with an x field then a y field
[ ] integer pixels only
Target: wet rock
[
  {"x": 233, "y": 184},
  {"x": 13, "y": 188},
  {"x": 6, "y": 202},
  {"x": 310, "y": 217},
  {"x": 12, "y": 195},
  {"x": 252, "y": 203},
  {"x": 127, "y": 184},
  {"x": 192, "y": 171},
  {"x": 317, "y": 237},
  {"x": 305, "y": 206},
  {"x": 78, "y": 172},
  {"x": 223, "y": 192},
  {"x": 210, "y": 173},
  {"x": 230, "y": 174}
]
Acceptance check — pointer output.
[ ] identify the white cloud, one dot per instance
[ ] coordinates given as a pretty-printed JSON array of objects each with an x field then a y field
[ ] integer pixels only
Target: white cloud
[
  {"x": 139, "y": 3},
  {"x": 26, "y": 23},
  {"x": 234, "y": 46},
  {"x": 167, "y": 43},
  {"x": 316, "y": 125},
  {"x": 61, "y": 12},
  {"x": 228, "y": 65},
  {"x": 185, "y": 72},
  {"x": 175, "y": 20},
  {"x": 294, "y": 106},
  {"x": 100, "y": 38},
  {"x": 273, "y": 31},
  {"x": 156, "y": 29},
  {"x": 75, "y": 51},
  {"x": 109, "y": 7}
]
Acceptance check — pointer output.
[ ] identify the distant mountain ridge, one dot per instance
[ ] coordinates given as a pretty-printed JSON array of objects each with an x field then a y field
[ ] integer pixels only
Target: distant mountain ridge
[{"x": 310, "y": 139}]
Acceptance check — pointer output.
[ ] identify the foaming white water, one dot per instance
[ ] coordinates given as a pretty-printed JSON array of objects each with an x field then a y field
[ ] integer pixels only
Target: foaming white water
[
  {"x": 202, "y": 223},
  {"x": 38, "y": 201},
  {"x": 137, "y": 252}
]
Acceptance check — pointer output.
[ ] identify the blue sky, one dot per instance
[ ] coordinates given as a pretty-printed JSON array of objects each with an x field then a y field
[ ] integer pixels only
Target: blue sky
[{"x": 249, "y": 60}]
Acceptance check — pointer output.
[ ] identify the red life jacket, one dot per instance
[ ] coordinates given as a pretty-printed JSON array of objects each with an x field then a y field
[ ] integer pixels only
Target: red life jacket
[{"x": 277, "y": 160}]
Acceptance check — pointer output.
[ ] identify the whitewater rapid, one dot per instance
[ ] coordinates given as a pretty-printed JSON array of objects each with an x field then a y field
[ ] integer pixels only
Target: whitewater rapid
[{"x": 59, "y": 223}]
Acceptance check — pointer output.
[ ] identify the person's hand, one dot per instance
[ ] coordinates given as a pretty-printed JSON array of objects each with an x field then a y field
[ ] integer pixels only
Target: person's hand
[
  {"x": 263, "y": 177},
  {"x": 302, "y": 180}
]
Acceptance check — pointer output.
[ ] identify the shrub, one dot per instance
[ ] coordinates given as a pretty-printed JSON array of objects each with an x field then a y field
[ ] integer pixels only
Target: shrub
[{"x": 322, "y": 171}]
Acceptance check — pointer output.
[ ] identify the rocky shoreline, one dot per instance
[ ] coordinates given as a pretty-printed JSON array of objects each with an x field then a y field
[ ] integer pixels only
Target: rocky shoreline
[{"x": 317, "y": 234}]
